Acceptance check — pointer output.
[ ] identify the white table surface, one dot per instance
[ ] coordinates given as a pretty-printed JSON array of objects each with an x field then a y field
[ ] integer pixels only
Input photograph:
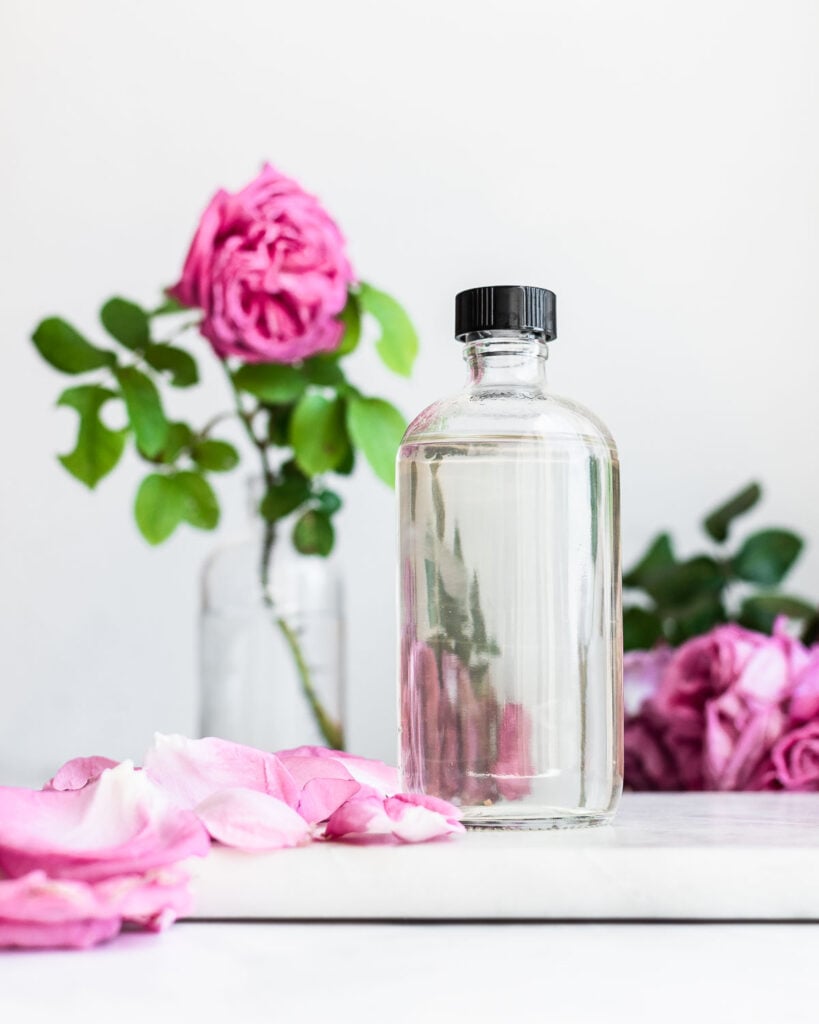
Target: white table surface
[
  {"x": 740, "y": 856},
  {"x": 541, "y": 971}
]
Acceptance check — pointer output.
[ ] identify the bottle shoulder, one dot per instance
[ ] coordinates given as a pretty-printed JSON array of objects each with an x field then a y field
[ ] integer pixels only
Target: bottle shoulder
[{"x": 514, "y": 414}]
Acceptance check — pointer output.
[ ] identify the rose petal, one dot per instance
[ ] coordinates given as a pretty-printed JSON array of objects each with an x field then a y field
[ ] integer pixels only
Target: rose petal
[
  {"x": 379, "y": 776},
  {"x": 192, "y": 770},
  {"x": 249, "y": 820},
  {"x": 121, "y": 823},
  {"x": 79, "y": 772},
  {"x": 37, "y": 911},
  {"x": 405, "y": 818}
]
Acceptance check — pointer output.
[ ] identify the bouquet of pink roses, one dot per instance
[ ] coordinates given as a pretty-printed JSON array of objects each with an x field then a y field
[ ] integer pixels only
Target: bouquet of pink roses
[{"x": 731, "y": 710}]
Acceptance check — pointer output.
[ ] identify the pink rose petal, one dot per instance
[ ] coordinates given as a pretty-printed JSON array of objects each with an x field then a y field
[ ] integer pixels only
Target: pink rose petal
[
  {"x": 249, "y": 820},
  {"x": 121, "y": 823},
  {"x": 404, "y": 818},
  {"x": 192, "y": 770},
  {"x": 79, "y": 772},
  {"x": 41, "y": 912},
  {"x": 379, "y": 776}
]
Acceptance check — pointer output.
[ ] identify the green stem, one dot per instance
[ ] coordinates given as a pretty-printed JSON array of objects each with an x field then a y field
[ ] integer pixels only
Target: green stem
[{"x": 330, "y": 729}]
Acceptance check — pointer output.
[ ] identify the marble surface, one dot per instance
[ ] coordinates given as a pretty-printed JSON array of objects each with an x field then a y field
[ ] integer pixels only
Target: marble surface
[
  {"x": 425, "y": 974},
  {"x": 666, "y": 857}
]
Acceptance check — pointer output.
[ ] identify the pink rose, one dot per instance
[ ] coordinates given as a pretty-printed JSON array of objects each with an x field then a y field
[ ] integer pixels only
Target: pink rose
[
  {"x": 804, "y": 703},
  {"x": 268, "y": 268},
  {"x": 647, "y": 763},
  {"x": 796, "y": 758},
  {"x": 712, "y": 746}
]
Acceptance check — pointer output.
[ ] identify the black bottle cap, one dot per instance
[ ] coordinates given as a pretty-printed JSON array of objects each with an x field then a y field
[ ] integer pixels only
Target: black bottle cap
[{"x": 506, "y": 307}]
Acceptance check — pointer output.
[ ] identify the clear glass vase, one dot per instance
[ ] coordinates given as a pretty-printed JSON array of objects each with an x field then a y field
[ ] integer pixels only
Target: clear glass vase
[{"x": 271, "y": 643}]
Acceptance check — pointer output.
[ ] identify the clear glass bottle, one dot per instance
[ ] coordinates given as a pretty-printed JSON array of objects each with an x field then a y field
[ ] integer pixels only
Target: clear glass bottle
[
  {"x": 510, "y": 617},
  {"x": 271, "y": 642}
]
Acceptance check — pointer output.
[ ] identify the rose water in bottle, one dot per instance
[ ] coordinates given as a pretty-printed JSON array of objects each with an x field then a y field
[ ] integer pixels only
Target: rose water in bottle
[{"x": 511, "y": 646}]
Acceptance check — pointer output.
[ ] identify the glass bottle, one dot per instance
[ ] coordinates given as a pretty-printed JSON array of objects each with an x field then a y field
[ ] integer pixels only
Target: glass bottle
[
  {"x": 271, "y": 642},
  {"x": 510, "y": 617}
]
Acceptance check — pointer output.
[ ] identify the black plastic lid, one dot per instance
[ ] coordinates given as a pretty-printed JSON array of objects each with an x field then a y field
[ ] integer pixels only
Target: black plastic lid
[{"x": 506, "y": 307}]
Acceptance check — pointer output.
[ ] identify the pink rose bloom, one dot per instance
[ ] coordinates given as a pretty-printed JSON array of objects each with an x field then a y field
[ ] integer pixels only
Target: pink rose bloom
[
  {"x": 804, "y": 702},
  {"x": 268, "y": 268},
  {"x": 647, "y": 763},
  {"x": 714, "y": 748},
  {"x": 796, "y": 759}
]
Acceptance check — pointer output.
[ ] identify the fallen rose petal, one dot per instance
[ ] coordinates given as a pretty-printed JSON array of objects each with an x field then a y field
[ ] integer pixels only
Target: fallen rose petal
[
  {"x": 192, "y": 770},
  {"x": 404, "y": 818},
  {"x": 119, "y": 824},
  {"x": 41, "y": 912},
  {"x": 79, "y": 772},
  {"x": 381, "y": 777},
  {"x": 249, "y": 820}
]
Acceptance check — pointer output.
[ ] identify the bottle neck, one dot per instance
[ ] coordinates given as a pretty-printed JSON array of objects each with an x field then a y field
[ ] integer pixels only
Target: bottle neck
[{"x": 506, "y": 359}]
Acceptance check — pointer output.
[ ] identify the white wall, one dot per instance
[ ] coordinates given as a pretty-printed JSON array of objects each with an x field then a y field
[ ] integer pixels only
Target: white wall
[{"x": 656, "y": 164}]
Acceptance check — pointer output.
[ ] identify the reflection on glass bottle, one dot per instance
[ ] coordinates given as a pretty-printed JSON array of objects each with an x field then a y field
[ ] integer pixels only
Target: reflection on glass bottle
[{"x": 510, "y": 604}]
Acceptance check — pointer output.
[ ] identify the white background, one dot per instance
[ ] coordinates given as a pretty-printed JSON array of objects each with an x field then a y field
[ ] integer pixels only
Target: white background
[{"x": 655, "y": 163}]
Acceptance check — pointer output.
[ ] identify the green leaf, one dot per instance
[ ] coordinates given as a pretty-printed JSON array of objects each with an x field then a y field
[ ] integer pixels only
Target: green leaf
[
  {"x": 215, "y": 456},
  {"x": 717, "y": 523},
  {"x": 313, "y": 534},
  {"x": 660, "y": 555},
  {"x": 704, "y": 611},
  {"x": 398, "y": 344},
  {"x": 323, "y": 371},
  {"x": 347, "y": 464},
  {"x": 674, "y": 586},
  {"x": 766, "y": 557},
  {"x": 350, "y": 316},
  {"x": 159, "y": 508},
  {"x": 98, "y": 449},
  {"x": 641, "y": 629},
  {"x": 126, "y": 322},
  {"x": 67, "y": 350},
  {"x": 144, "y": 410},
  {"x": 328, "y": 501},
  {"x": 179, "y": 438},
  {"x": 377, "y": 428},
  {"x": 318, "y": 433},
  {"x": 761, "y": 611},
  {"x": 284, "y": 497},
  {"x": 200, "y": 507},
  {"x": 180, "y": 365},
  {"x": 271, "y": 382}
]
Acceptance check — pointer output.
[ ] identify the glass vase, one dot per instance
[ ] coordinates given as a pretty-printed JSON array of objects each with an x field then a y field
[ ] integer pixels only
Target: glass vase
[{"x": 271, "y": 643}]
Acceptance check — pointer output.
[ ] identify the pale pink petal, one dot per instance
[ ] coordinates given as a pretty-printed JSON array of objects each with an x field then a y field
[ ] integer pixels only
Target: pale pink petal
[
  {"x": 38, "y": 912},
  {"x": 119, "y": 824},
  {"x": 249, "y": 820},
  {"x": 153, "y": 900},
  {"x": 321, "y": 796},
  {"x": 404, "y": 818},
  {"x": 70, "y": 935},
  {"x": 379, "y": 776},
  {"x": 192, "y": 770},
  {"x": 79, "y": 772}
]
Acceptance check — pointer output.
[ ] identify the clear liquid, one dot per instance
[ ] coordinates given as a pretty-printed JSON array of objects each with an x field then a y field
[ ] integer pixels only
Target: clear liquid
[{"x": 509, "y": 606}]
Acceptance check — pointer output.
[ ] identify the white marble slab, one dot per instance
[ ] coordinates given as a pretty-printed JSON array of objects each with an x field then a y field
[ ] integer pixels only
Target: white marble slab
[{"x": 666, "y": 857}]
